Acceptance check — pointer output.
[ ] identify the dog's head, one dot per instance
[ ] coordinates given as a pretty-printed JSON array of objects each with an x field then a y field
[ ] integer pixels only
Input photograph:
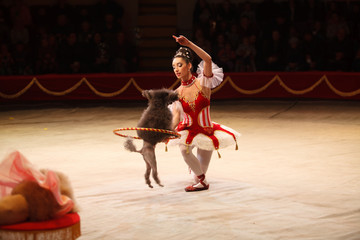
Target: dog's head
[{"x": 164, "y": 96}]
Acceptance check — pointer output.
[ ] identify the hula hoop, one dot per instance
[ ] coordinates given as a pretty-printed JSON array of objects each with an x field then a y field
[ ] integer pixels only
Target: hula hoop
[{"x": 172, "y": 134}]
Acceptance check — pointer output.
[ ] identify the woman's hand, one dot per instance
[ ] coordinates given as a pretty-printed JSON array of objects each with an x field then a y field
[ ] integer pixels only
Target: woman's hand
[{"x": 182, "y": 40}]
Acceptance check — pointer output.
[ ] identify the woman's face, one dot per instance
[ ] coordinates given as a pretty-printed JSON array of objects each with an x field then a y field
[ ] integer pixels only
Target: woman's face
[{"x": 181, "y": 68}]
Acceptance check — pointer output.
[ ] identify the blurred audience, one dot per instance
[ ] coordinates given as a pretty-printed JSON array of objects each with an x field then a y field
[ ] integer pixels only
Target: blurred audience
[
  {"x": 64, "y": 38},
  {"x": 242, "y": 36},
  {"x": 307, "y": 35}
]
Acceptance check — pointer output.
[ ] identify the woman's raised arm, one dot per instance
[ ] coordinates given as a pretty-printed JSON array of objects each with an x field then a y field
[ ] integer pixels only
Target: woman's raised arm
[{"x": 199, "y": 51}]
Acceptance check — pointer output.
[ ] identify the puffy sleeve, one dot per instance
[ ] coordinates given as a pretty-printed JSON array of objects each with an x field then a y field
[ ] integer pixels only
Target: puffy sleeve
[
  {"x": 214, "y": 80},
  {"x": 176, "y": 106}
]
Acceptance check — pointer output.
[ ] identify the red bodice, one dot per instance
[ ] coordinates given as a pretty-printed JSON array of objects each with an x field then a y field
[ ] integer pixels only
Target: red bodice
[
  {"x": 197, "y": 119},
  {"x": 196, "y": 127}
]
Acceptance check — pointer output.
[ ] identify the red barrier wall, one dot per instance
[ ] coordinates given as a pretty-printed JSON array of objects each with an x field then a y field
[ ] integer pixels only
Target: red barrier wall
[{"x": 314, "y": 85}]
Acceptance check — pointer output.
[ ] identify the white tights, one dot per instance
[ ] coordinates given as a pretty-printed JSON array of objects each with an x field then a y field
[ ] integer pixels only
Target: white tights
[{"x": 198, "y": 164}]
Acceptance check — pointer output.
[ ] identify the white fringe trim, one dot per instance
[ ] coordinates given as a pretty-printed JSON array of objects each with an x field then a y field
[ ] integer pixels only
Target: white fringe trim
[{"x": 213, "y": 81}]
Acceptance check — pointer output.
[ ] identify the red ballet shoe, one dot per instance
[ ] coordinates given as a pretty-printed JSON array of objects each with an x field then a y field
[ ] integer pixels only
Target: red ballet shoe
[{"x": 199, "y": 186}]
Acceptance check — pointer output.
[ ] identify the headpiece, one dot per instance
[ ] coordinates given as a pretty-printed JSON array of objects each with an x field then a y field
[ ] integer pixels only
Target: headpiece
[{"x": 183, "y": 52}]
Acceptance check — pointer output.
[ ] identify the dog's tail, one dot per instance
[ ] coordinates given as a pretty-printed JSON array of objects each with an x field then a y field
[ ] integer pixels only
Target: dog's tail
[{"x": 129, "y": 145}]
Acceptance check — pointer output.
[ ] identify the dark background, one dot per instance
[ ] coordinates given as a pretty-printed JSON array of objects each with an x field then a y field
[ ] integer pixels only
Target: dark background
[{"x": 241, "y": 36}]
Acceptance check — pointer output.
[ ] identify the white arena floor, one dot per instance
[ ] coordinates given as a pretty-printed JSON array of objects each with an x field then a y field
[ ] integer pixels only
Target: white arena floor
[{"x": 296, "y": 175}]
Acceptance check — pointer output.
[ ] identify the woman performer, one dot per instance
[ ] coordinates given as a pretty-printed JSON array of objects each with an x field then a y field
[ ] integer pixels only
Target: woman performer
[{"x": 191, "y": 114}]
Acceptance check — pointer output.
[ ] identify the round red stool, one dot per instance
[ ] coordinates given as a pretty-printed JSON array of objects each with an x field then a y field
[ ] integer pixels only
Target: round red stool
[{"x": 64, "y": 228}]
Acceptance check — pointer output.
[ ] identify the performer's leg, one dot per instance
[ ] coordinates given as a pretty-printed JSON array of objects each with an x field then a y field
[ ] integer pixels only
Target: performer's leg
[
  {"x": 190, "y": 159},
  {"x": 195, "y": 166},
  {"x": 204, "y": 157}
]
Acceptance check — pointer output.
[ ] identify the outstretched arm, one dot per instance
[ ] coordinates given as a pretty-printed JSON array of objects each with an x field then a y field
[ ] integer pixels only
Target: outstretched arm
[{"x": 199, "y": 51}]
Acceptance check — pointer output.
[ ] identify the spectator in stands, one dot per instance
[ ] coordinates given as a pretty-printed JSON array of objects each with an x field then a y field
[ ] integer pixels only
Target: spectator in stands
[
  {"x": 62, "y": 7},
  {"x": 314, "y": 10},
  {"x": 62, "y": 28},
  {"x": 102, "y": 55},
  {"x": 85, "y": 38},
  {"x": 340, "y": 51},
  {"x": 120, "y": 51},
  {"x": 266, "y": 12},
  {"x": 221, "y": 28},
  {"x": 273, "y": 52},
  {"x": 103, "y": 7},
  {"x": 20, "y": 14},
  {"x": 333, "y": 7},
  {"x": 247, "y": 11},
  {"x": 245, "y": 28},
  {"x": 355, "y": 67},
  {"x": 318, "y": 31},
  {"x": 109, "y": 28},
  {"x": 217, "y": 45},
  {"x": 22, "y": 63},
  {"x": 4, "y": 26},
  {"x": 294, "y": 60},
  {"x": 295, "y": 11},
  {"x": 69, "y": 54},
  {"x": 245, "y": 56},
  {"x": 42, "y": 19},
  {"x": 202, "y": 16},
  {"x": 233, "y": 35},
  {"x": 226, "y": 11},
  {"x": 6, "y": 60},
  {"x": 203, "y": 42},
  {"x": 293, "y": 32},
  {"x": 314, "y": 51},
  {"x": 335, "y": 23},
  {"x": 258, "y": 58},
  {"x": 21, "y": 21},
  {"x": 353, "y": 20},
  {"x": 19, "y": 34},
  {"x": 280, "y": 24},
  {"x": 85, "y": 33},
  {"x": 226, "y": 57},
  {"x": 84, "y": 14},
  {"x": 46, "y": 55}
]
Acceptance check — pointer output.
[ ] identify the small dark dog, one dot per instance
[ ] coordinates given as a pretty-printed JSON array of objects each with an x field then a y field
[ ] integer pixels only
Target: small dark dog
[{"x": 156, "y": 115}]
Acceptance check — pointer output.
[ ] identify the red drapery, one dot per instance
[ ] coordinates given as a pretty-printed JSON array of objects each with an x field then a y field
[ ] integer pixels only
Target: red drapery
[{"x": 315, "y": 85}]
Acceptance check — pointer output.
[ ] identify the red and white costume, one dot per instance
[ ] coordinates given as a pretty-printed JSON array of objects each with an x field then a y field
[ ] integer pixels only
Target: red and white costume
[{"x": 196, "y": 127}]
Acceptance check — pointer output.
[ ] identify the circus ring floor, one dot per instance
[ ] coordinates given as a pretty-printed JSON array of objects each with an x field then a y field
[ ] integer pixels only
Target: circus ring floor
[{"x": 295, "y": 176}]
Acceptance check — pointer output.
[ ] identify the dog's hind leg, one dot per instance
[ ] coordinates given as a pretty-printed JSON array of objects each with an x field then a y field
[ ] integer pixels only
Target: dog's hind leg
[
  {"x": 155, "y": 177},
  {"x": 147, "y": 174},
  {"x": 148, "y": 152}
]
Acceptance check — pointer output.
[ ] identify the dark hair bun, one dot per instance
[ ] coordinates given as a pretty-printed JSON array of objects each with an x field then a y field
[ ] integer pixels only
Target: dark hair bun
[{"x": 184, "y": 53}]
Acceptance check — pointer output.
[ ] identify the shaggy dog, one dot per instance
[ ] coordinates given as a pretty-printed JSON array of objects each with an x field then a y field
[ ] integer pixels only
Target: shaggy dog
[{"x": 156, "y": 115}]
